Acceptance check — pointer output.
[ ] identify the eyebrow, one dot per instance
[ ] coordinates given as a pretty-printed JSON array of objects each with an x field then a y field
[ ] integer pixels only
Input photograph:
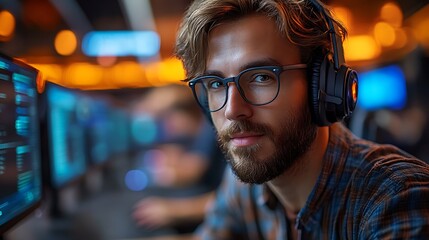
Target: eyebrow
[{"x": 257, "y": 63}]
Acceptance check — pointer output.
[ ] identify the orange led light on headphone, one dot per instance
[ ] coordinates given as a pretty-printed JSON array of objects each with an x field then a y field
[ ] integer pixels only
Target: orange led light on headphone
[{"x": 354, "y": 91}]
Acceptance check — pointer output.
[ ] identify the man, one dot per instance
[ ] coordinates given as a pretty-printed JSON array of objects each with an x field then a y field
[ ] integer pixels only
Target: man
[{"x": 270, "y": 75}]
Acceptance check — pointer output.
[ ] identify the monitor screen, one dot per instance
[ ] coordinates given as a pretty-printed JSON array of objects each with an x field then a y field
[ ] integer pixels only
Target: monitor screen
[
  {"x": 108, "y": 130},
  {"x": 99, "y": 134},
  {"x": 120, "y": 122},
  {"x": 20, "y": 161},
  {"x": 66, "y": 119}
]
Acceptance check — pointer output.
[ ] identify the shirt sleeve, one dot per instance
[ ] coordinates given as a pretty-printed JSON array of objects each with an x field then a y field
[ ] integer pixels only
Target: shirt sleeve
[{"x": 403, "y": 213}]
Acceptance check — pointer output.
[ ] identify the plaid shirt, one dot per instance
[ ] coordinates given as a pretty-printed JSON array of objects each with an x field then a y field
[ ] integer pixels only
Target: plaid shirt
[{"x": 365, "y": 191}]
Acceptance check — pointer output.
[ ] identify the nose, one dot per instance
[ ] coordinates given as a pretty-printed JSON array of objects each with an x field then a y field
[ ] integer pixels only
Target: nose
[{"x": 236, "y": 107}]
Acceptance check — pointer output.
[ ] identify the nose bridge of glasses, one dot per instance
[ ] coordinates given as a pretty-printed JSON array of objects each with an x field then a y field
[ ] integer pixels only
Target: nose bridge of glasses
[
  {"x": 234, "y": 90},
  {"x": 229, "y": 80}
]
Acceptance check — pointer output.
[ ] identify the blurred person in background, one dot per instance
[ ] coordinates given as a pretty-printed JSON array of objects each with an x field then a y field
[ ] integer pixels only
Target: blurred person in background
[
  {"x": 271, "y": 74},
  {"x": 406, "y": 128},
  {"x": 191, "y": 164}
]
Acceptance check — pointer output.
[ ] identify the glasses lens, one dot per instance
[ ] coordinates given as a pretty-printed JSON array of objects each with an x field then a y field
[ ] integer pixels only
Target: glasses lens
[
  {"x": 211, "y": 93},
  {"x": 259, "y": 86}
]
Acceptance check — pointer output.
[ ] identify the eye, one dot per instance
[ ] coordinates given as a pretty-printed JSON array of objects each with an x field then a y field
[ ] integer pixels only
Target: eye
[
  {"x": 214, "y": 84},
  {"x": 262, "y": 78}
]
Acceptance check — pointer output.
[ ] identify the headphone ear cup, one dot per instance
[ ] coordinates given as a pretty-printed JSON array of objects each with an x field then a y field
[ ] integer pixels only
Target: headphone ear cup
[
  {"x": 317, "y": 81},
  {"x": 333, "y": 93},
  {"x": 314, "y": 76},
  {"x": 348, "y": 79}
]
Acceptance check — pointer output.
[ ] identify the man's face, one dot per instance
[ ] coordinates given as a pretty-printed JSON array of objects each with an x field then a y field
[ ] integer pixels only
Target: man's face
[{"x": 262, "y": 142}]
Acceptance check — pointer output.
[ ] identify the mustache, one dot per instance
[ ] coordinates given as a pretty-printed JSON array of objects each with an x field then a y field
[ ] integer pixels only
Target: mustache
[{"x": 244, "y": 126}]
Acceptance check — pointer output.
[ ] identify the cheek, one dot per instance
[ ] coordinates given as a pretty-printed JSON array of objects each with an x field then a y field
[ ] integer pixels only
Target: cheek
[
  {"x": 300, "y": 96},
  {"x": 292, "y": 97},
  {"x": 293, "y": 93},
  {"x": 218, "y": 119}
]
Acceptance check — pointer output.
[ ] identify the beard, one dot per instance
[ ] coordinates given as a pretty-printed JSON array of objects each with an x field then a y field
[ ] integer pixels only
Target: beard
[{"x": 293, "y": 139}]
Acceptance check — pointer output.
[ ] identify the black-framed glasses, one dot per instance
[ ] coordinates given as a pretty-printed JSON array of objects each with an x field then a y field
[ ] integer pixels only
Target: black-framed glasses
[{"x": 257, "y": 86}]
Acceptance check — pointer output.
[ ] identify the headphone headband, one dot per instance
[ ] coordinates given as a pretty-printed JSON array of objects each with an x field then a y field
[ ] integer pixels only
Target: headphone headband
[{"x": 337, "y": 49}]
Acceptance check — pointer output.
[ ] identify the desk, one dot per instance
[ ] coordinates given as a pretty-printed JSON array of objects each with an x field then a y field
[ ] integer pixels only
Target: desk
[{"x": 106, "y": 216}]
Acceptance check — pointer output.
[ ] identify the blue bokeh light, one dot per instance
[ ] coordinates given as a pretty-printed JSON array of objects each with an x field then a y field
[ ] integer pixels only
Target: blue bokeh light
[
  {"x": 382, "y": 88},
  {"x": 144, "y": 129},
  {"x": 121, "y": 43},
  {"x": 136, "y": 180}
]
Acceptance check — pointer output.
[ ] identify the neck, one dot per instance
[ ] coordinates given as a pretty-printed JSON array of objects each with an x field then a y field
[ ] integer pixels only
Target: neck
[{"x": 294, "y": 186}]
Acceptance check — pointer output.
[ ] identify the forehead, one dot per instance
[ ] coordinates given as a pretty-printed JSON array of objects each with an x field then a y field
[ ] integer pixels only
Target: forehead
[{"x": 234, "y": 44}]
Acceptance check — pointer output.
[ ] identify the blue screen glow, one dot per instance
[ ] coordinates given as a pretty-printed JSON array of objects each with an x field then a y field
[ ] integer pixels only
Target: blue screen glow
[
  {"x": 66, "y": 132},
  {"x": 382, "y": 88},
  {"x": 121, "y": 43},
  {"x": 20, "y": 160}
]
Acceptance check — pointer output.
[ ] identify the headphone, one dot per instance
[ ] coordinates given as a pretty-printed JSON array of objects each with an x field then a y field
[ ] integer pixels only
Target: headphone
[{"x": 333, "y": 86}]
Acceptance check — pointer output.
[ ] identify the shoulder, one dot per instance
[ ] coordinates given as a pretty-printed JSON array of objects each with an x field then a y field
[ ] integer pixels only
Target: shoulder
[
  {"x": 386, "y": 169},
  {"x": 390, "y": 189},
  {"x": 396, "y": 194},
  {"x": 387, "y": 163},
  {"x": 368, "y": 159},
  {"x": 378, "y": 172}
]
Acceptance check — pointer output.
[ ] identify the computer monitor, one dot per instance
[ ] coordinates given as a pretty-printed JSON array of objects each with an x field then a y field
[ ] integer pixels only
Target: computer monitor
[
  {"x": 108, "y": 130},
  {"x": 64, "y": 133},
  {"x": 99, "y": 134},
  {"x": 120, "y": 128},
  {"x": 20, "y": 161}
]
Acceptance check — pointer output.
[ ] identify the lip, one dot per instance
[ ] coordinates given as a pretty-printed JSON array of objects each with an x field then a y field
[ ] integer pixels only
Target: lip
[{"x": 245, "y": 139}]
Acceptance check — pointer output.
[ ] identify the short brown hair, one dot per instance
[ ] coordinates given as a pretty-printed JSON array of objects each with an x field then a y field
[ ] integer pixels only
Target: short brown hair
[{"x": 299, "y": 20}]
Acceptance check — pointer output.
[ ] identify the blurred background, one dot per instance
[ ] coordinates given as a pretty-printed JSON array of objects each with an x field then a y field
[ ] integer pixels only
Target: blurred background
[{"x": 119, "y": 127}]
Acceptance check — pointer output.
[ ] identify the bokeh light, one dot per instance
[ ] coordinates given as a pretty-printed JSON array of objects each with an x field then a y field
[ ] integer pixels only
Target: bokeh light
[
  {"x": 136, "y": 180},
  {"x": 65, "y": 42}
]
